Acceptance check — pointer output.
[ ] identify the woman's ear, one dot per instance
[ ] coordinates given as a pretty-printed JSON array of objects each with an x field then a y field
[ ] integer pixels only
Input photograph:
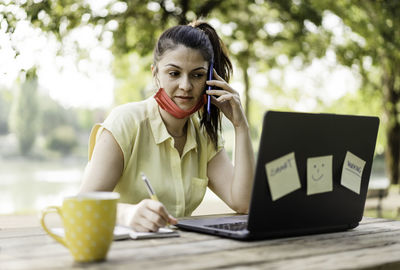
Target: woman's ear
[{"x": 155, "y": 77}]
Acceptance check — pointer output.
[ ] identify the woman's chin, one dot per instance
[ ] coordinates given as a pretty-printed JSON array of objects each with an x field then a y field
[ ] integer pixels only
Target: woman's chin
[{"x": 185, "y": 105}]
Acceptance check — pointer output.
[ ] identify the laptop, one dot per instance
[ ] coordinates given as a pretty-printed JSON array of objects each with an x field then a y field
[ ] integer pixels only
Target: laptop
[{"x": 288, "y": 200}]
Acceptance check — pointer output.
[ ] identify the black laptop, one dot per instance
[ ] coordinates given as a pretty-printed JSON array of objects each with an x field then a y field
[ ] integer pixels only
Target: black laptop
[{"x": 291, "y": 197}]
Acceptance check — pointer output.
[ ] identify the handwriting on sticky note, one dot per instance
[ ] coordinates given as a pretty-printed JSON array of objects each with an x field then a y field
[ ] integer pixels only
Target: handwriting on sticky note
[
  {"x": 353, "y": 167},
  {"x": 282, "y": 175},
  {"x": 319, "y": 174}
]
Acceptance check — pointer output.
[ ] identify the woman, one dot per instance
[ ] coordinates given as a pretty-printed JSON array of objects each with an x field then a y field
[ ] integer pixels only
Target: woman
[{"x": 180, "y": 151}]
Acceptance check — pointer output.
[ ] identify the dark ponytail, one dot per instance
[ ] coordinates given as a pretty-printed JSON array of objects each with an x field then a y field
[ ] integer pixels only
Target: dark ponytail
[
  {"x": 223, "y": 66},
  {"x": 203, "y": 37}
]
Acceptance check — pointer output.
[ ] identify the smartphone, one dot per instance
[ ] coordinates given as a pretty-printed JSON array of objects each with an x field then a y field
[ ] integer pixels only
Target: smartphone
[{"x": 210, "y": 76}]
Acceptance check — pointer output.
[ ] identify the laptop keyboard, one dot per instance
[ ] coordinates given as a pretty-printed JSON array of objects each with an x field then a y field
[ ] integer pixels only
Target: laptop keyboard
[{"x": 237, "y": 226}]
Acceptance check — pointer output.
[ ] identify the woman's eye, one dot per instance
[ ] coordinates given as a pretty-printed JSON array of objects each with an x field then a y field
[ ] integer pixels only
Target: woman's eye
[
  {"x": 173, "y": 73},
  {"x": 198, "y": 75}
]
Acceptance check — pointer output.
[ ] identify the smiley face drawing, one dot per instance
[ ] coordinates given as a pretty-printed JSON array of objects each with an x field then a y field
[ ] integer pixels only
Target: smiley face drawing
[
  {"x": 319, "y": 174},
  {"x": 318, "y": 171}
]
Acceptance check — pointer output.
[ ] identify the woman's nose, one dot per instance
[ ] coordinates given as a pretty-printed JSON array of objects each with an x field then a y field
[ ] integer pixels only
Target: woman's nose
[{"x": 185, "y": 83}]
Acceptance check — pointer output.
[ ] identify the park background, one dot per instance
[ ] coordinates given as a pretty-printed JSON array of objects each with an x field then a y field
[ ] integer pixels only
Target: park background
[{"x": 65, "y": 64}]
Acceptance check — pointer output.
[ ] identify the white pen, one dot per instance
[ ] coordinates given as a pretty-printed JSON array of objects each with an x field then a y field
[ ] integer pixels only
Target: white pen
[{"x": 149, "y": 188}]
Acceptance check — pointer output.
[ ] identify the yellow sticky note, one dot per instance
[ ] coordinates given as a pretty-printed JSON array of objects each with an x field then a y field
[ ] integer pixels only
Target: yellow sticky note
[
  {"x": 283, "y": 177},
  {"x": 319, "y": 174},
  {"x": 353, "y": 167}
]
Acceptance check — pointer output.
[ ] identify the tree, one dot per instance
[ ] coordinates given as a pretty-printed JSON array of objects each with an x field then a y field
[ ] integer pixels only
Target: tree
[
  {"x": 372, "y": 47},
  {"x": 24, "y": 111},
  {"x": 261, "y": 31},
  {"x": 369, "y": 43},
  {"x": 265, "y": 28},
  {"x": 5, "y": 98}
]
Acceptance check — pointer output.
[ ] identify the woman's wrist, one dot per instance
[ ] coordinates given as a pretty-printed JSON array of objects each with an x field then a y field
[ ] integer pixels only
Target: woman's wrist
[
  {"x": 243, "y": 127},
  {"x": 125, "y": 212}
]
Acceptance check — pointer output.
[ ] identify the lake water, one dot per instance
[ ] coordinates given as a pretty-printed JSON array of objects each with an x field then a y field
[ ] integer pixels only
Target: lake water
[{"x": 27, "y": 186}]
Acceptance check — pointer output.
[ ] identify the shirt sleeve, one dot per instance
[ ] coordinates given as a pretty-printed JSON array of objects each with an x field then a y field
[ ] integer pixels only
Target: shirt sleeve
[{"x": 121, "y": 126}]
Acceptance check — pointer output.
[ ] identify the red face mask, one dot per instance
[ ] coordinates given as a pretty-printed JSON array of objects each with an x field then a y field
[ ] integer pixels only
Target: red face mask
[{"x": 166, "y": 103}]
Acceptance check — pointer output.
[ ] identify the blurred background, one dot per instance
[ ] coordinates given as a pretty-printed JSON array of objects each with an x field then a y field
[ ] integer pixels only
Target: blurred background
[{"x": 64, "y": 64}]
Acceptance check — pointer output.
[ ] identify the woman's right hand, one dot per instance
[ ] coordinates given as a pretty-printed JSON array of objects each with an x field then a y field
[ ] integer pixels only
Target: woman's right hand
[{"x": 147, "y": 216}]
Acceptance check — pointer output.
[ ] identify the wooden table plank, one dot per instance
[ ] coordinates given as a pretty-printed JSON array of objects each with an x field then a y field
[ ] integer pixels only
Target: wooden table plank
[
  {"x": 374, "y": 243},
  {"x": 220, "y": 254}
]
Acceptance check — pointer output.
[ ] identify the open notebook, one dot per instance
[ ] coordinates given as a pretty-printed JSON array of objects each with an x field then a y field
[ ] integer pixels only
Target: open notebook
[{"x": 121, "y": 233}]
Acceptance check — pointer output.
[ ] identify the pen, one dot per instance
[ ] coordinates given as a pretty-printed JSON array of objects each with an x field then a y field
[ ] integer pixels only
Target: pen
[
  {"x": 210, "y": 73},
  {"x": 149, "y": 188}
]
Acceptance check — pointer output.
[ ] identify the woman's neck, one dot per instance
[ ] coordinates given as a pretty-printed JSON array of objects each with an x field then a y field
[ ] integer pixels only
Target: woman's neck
[{"x": 175, "y": 126}]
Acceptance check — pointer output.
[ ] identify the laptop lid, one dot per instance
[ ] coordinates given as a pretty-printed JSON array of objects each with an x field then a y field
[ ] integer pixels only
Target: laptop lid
[
  {"x": 313, "y": 140},
  {"x": 339, "y": 142}
]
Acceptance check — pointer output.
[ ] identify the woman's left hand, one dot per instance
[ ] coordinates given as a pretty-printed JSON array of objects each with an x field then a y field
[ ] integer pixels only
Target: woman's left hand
[{"x": 227, "y": 100}]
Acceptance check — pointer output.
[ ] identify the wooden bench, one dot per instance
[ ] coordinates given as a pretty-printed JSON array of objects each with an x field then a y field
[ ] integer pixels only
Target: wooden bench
[{"x": 378, "y": 188}]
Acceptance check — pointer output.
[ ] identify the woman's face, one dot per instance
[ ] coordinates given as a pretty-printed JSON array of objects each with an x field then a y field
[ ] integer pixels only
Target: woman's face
[{"x": 182, "y": 72}]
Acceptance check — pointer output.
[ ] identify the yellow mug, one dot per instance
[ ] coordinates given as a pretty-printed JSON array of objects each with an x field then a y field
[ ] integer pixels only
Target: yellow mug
[{"x": 88, "y": 220}]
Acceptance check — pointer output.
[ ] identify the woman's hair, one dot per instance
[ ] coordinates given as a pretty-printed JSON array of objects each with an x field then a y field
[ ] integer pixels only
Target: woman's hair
[{"x": 203, "y": 37}]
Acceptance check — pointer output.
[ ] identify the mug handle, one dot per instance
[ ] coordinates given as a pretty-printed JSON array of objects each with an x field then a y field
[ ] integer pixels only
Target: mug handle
[{"x": 47, "y": 210}]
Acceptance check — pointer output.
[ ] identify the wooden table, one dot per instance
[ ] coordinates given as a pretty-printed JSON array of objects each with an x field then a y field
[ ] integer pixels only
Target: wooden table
[{"x": 375, "y": 244}]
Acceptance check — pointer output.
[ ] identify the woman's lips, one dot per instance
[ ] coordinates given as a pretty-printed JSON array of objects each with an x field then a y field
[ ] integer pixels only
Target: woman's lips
[{"x": 184, "y": 98}]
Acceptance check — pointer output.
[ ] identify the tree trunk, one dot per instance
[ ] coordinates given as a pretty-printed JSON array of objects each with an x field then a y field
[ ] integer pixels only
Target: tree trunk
[
  {"x": 392, "y": 150},
  {"x": 391, "y": 101},
  {"x": 245, "y": 66}
]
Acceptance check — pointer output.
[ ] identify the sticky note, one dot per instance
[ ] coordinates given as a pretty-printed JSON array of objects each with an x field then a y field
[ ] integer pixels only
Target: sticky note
[
  {"x": 319, "y": 174},
  {"x": 283, "y": 177},
  {"x": 353, "y": 167}
]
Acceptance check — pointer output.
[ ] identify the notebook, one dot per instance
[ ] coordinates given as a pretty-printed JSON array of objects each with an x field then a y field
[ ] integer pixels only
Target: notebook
[
  {"x": 311, "y": 176},
  {"x": 122, "y": 233}
]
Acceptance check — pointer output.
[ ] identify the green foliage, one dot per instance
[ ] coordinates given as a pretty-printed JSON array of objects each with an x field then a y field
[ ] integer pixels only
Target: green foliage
[
  {"x": 133, "y": 77},
  {"x": 138, "y": 23},
  {"x": 57, "y": 16},
  {"x": 24, "y": 112},
  {"x": 62, "y": 139},
  {"x": 362, "y": 103}
]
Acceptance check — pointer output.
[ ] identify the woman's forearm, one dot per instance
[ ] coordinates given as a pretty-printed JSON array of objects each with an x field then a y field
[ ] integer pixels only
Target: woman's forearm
[{"x": 243, "y": 169}]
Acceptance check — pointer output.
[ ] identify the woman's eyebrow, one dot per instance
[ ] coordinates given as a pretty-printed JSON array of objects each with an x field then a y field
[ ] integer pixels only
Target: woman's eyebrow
[
  {"x": 178, "y": 67},
  {"x": 175, "y": 66},
  {"x": 200, "y": 68}
]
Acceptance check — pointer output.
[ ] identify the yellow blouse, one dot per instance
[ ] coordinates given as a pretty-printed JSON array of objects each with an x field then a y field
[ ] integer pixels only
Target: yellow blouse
[{"x": 179, "y": 182}]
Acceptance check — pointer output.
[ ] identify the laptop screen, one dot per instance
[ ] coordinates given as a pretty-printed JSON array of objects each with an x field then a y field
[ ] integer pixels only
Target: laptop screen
[{"x": 312, "y": 170}]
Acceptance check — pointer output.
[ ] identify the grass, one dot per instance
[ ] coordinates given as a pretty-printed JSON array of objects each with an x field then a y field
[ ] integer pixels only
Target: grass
[{"x": 386, "y": 214}]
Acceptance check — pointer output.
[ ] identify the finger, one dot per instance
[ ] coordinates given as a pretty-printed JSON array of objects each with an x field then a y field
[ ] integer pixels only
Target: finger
[
  {"x": 217, "y": 92},
  {"x": 172, "y": 220},
  {"x": 159, "y": 209},
  {"x": 213, "y": 101},
  {"x": 141, "y": 224},
  {"x": 148, "y": 225},
  {"x": 221, "y": 84},
  {"x": 216, "y": 75},
  {"x": 155, "y": 218},
  {"x": 225, "y": 97},
  {"x": 145, "y": 212}
]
